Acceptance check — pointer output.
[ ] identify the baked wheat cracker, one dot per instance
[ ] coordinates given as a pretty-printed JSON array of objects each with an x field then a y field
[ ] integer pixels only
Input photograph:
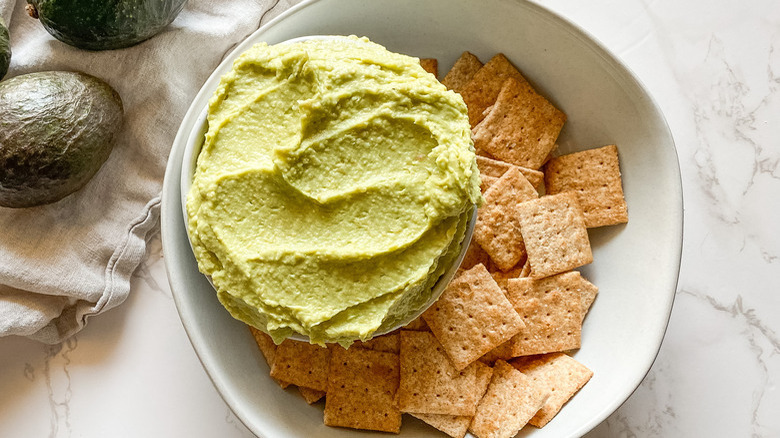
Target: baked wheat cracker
[
  {"x": 486, "y": 181},
  {"x": 456, "y": 426},
  {"x": 594, "y": 175},
  {"x": 503, "y": 352},
  {"x": 361, "y": 387},
  {"x": 475, "y": 255},
  {"x": 472, "y": 316},
  {"x": 554, "y": 233},
  {"x": 302, "y": 364},
  {"x": 461, "y": 72},
  {"x": 522, "y": 127},
  {"x": 483, "y": 88},
  {"x": 417, "y": 324},
  {"x": 510, "y": 401},
  {"x": 431, "y": 65},
  {"x": 559, "y": 374},
  {"x": 429, "y": 382},
  {"x": 388, "y": 343},
  {"x": 497, "y": 168},
  {"x": 268, "y": 349},
  {"x": 501, "y": 277},
  {"x": 497, "y": 229},
  {"x": 552, "y": 314},
  {"x": 588, "y": 292},
  {"x": 311, "y": 395}
]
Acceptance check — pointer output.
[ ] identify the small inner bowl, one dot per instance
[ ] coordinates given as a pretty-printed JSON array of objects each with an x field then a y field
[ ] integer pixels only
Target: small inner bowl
[{"x": 189, "y": 164}]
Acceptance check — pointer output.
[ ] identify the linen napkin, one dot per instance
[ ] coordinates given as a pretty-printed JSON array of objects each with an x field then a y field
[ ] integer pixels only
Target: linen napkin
[{"x": 64, "y": 262}]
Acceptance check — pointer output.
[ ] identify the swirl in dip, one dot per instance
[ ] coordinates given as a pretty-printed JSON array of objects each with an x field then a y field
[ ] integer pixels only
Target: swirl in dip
[{"x": 332, "y": 190}]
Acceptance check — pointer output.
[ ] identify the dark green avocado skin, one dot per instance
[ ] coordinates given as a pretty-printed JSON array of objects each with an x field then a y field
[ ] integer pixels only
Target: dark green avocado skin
[
  {"x": 105, "y": 24},
  {"x": 56, "y": 130},
  {"x": 5, "y": 49}
]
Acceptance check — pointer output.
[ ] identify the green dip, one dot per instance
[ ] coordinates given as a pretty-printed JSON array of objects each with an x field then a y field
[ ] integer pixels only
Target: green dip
[{"x": 332, "y": 190}]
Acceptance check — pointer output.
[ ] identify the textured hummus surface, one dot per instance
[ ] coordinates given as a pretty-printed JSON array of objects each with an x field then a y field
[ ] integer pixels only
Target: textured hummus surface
[{"x": 332, "y": 190}]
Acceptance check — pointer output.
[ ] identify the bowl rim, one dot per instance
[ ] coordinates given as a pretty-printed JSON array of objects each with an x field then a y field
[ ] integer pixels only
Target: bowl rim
[{"x": 168, "y": 221}]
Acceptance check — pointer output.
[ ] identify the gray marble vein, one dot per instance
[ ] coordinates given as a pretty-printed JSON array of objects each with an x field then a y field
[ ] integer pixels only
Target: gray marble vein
[{"x": 58, "y": 383}]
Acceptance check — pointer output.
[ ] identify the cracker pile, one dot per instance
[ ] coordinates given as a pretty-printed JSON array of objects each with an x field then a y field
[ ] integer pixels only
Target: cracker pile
[{"x": 490, "y": 356}]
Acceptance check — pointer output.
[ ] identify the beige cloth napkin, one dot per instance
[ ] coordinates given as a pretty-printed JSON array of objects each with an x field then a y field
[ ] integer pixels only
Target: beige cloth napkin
[{"x": 64, "y": 262}]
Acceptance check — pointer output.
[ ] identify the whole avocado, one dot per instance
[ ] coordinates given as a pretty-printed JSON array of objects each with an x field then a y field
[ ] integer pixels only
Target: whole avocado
[
  {"x": 56, "y": 130},
  {"x": 104, "y": 24},
  {"x": 5, "y": 49}
]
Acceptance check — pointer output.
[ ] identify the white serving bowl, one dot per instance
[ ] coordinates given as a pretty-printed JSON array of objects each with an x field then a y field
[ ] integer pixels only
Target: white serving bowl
[{"x": 635, "y": 265}]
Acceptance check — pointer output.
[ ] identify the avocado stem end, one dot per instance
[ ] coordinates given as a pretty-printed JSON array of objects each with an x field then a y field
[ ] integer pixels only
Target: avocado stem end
[{"x": 31, "y": 10}]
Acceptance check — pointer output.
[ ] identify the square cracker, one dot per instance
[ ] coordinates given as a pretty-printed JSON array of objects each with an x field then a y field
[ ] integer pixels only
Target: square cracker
[
  {"x": 267, "y": 348},
  {"x": 456, "y": 426},
  {"x": 510, "y": 402},
  {"x": 483, "y": 88},
  {"x": 431, "y": 65},
  {"x": 498, "y": 223},
  {"x": 311, "y": 395},
  {"x": 552, "y": 313},
  {"x": 417, "y": 324},
  {"x": 461, "y": 72},
  {"x": 485, "y": 182},
  {"x": 522, "y": 127},
  {"x": 503, "y": 352},
  {"x": 490, "y": 167},
  {"x": 558, "y": 373},
  {"x": 302, "y": 364},
  {"x": 388, "y": 343},
  {"x": 361, "y": 388},
  {"x": 474, "y": 256},
  {"x": 501, "y": 277},
  {"x": 594, "y": 175},
  {"x": 588, "y": 293},
  {"x": 429, "y": 383},
  {"x": 554, "y": 234},
  {"x": 472, "y": 316},
  {"x": 496, "y": 168}
]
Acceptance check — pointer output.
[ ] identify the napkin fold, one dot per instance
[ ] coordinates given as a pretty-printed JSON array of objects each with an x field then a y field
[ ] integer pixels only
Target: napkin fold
[{"x": 64, "y": 262}]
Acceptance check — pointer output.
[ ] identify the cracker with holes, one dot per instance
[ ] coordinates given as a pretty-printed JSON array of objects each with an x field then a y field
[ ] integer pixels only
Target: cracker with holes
[
  {"x": 497, "y": 168},
  {"x": 417, "y": 324},
  {"x": 361, "y": 388},
  {"x": 594, "y": 175},
  {"x": 552, "y": 312},
  {"x": 474, "y": 256},
  {"x": 554, "y": 234},
  {"x": 472, "y": 316},
  {"x": 268, "y": 349},
  {"x": 430, "y": 384},
  {"x": 521, "y": 128},
  {"x": 558, "y": 373},
  {"x": 456, "y": 426},
  {"x": 486, "y": 181},
  {"x": 510, "y": 402},
  {"x": 588, "y": 293},
  {"x": 503, "y": 352},
  {"x": 484, "y": 87},
  {"x": 501, "y": 277},
  {"x": 498, "y": 222},
  {"x": 302, "y": 364},
  {"x": 388, "y": 343},
  {"x": 461, "y": 72}
]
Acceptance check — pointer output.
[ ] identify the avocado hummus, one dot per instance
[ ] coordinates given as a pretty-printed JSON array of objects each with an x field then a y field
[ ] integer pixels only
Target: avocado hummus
[{"x": 332, "y": 190}]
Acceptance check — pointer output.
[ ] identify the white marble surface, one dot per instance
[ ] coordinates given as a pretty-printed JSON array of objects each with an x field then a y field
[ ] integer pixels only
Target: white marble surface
[{"x": 714, "y": 69}]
